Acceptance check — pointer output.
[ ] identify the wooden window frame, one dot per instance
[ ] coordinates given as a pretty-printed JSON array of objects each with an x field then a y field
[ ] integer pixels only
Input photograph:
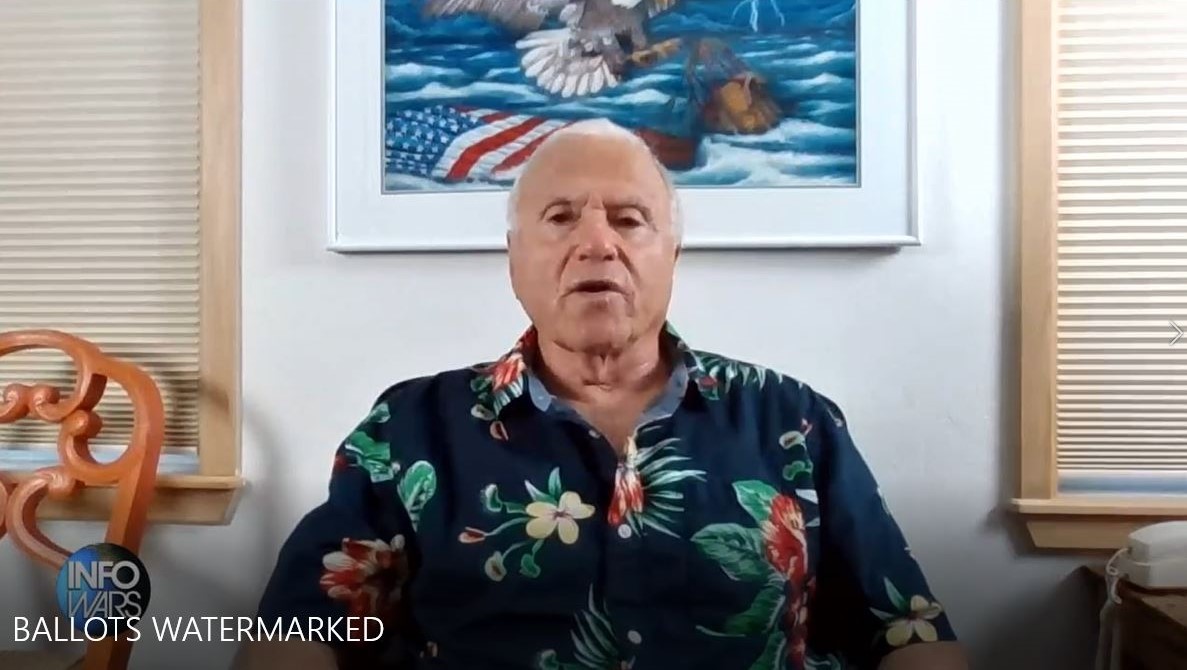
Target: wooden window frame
[
  {"x": 1053, "y": 521},
  {"x": 210, "y": 496}
]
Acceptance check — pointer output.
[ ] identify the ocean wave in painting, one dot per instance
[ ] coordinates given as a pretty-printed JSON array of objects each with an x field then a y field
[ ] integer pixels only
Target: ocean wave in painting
[
  {"x": 724, "y": 161},
  {"x": 807, "y": 64}
]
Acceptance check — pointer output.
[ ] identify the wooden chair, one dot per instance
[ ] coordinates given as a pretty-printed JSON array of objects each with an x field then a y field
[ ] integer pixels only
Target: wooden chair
[{"x": 132, "y": 475}]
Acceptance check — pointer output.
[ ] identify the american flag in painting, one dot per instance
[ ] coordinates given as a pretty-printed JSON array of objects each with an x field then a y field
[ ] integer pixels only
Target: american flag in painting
[{"x": 456, "y": 144}]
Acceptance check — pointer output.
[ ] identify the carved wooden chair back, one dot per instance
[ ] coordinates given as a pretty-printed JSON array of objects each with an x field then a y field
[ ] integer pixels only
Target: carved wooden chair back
[{"x": 132, "y": 475}]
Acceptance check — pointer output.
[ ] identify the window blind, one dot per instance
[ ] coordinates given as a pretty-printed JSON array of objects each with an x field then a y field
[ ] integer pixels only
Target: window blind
[
  {"x": 1120, "y": 71},
  {"x": 99, "y": 170}
]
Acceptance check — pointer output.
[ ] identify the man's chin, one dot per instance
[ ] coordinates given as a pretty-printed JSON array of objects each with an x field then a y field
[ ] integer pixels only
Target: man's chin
[{"x": 597, "y": 334}]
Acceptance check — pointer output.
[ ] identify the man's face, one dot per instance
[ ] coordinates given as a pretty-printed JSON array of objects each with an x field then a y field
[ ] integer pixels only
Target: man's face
[{"x": 593, "y": 251}]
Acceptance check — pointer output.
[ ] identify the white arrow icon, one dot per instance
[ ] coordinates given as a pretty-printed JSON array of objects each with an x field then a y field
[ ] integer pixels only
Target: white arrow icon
[{"x": 1178, "y": 333}]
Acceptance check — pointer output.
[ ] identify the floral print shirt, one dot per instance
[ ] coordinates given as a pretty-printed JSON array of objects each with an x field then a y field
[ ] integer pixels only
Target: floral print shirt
[{"x": 489, "y": 528}]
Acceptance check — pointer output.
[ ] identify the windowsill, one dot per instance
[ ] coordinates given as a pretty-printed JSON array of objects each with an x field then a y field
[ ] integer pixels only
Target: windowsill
[
  {"x": 1094, "y": 523},
  {"x": 182, "y": 496},
  {"x": 193, "y": 500}
]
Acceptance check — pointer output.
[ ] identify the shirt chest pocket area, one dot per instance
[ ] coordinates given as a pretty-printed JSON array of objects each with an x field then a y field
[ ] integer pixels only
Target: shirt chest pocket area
[{"x": 511, "y": 556}]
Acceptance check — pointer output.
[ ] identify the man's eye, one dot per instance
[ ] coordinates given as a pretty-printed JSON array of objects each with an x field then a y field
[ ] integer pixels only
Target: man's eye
[
  {"x": 561, "y": 216},
  {"x": 628, "y": 221}
]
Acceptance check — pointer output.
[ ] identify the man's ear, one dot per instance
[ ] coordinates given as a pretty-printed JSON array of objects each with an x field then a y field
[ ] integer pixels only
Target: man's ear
[{"x": 511, "y": 257}]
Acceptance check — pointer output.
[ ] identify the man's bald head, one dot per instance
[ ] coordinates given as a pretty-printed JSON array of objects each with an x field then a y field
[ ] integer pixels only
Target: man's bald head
[{"x": 601, "y": 130}]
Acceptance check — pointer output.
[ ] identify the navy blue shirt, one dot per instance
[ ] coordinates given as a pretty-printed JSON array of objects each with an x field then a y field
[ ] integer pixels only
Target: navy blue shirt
[{"x": 489, "y": 526}]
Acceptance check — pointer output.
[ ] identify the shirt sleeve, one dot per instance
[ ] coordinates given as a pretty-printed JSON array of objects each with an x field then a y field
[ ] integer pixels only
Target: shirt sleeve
[
  {"x": 348, "y": 557},
  {"x": 871, "y": 594}
]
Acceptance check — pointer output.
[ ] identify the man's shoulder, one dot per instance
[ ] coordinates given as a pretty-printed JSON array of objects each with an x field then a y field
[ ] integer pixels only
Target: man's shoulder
[
  {"x": 439, "y": 387},
  {"x": 720, "y": 374},
  {"x": 730, "y": 372}
]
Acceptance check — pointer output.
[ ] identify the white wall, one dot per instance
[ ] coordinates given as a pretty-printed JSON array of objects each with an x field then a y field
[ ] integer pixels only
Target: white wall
[{"x": 917, "y": 345}]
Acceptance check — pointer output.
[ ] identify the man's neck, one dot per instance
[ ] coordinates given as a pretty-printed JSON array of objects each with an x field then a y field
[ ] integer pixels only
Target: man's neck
[{"x": 588, "y": 377}]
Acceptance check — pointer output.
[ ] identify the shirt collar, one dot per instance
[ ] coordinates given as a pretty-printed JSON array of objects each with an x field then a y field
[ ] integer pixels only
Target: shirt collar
[
  {"x": 665, "y": 404},
  {"x": 506, "y": 379}
]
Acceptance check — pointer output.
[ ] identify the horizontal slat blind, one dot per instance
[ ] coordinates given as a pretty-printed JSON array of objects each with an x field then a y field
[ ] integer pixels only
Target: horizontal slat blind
[
  {"x": 99, "y": 160},
  {"x": 1121, "y": 123}
]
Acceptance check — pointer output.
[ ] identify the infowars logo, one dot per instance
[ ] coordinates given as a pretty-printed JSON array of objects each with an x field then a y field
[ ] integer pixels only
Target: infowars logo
[{"x": 103, "y": 589}]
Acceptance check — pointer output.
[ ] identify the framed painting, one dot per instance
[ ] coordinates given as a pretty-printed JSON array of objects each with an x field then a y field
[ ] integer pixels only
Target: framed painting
[{"x": 785, "y": 123}]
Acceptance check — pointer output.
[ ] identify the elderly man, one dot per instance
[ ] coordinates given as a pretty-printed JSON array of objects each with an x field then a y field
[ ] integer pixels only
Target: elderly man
[{"x": 603, "y": 496}]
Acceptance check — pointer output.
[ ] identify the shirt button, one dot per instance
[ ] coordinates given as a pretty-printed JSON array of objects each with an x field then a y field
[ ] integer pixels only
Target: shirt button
[
  {"x": 594, "y": 434},
  {"x": 634, "y": 637},
  {"x": 625, "y": 532}
]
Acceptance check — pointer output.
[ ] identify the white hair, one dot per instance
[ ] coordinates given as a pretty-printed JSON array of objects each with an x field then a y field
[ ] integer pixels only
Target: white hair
[{"x": 603, "y": 128}]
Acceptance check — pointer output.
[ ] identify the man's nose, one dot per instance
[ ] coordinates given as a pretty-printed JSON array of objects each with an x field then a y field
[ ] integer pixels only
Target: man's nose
[{"x": 596, "y": 238}]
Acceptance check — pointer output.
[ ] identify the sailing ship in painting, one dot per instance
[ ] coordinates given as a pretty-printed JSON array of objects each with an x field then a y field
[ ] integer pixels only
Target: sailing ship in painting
[{"x": 738, "y": 93}]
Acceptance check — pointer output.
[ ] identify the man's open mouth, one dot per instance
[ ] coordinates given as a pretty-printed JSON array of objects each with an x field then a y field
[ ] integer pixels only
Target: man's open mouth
[{"x": 596, "y": 286}]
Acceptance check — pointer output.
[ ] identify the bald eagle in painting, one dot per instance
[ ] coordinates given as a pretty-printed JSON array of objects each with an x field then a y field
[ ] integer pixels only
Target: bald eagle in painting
[{"x": 590, "y": 53}]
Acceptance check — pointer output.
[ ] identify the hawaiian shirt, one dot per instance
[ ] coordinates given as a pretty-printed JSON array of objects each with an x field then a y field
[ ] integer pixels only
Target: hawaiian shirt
[{"x": 490, "y": 528}]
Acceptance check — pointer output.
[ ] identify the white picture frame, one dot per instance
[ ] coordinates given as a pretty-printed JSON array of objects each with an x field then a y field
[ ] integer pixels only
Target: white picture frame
[{"x": 878, "y": 212}]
